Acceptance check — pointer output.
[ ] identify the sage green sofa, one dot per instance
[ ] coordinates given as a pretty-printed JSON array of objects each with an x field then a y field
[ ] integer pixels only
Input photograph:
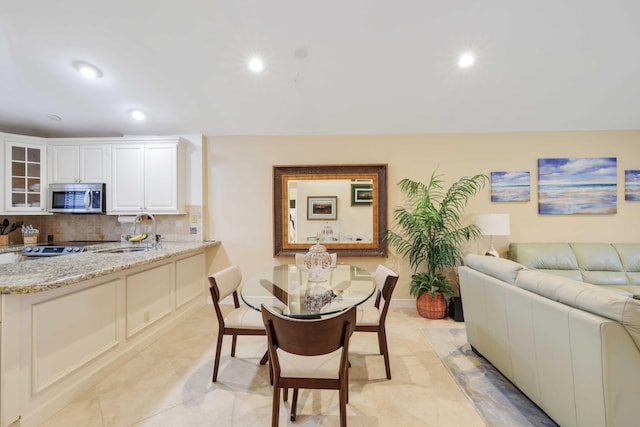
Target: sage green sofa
[
  {"x": 615, "y": 265},
  {"x": 572, "y": 347}
]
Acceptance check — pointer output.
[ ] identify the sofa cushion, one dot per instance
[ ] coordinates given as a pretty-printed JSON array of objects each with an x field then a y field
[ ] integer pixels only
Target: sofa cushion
[
  {"x": 585, "y": 296},
  {"x": 600, "y": 263},
  {"x": 546, "y": 256},
  {"x": 604, "y": 278},
  {"x": 630, "y": 257},
  {"x": 503, "y": 269}
]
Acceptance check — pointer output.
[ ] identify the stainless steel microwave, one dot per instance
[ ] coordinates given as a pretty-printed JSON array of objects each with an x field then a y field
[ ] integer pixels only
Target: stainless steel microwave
[{"x": 77, "y": 198}]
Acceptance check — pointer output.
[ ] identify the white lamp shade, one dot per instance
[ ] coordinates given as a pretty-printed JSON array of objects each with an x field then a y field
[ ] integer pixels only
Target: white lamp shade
[{"x": 494, "y": 224}]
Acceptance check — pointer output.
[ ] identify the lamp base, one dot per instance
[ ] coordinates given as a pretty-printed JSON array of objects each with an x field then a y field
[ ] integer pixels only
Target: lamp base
[{"x": 492, "y": 252}]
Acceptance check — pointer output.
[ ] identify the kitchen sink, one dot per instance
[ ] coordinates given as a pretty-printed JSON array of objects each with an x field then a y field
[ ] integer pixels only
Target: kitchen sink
[{"x": 120, "y": 250}]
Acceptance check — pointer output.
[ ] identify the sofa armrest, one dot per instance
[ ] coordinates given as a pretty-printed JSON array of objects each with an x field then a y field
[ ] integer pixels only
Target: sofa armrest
[{"x": 499, "y": 268}]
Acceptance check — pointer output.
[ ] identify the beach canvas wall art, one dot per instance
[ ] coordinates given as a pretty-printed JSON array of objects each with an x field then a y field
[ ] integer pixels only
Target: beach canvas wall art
[
  {"x": 572, "y": 186},
  {"x": 510, "y": 186},
  {"x": 632, "y": 185}
]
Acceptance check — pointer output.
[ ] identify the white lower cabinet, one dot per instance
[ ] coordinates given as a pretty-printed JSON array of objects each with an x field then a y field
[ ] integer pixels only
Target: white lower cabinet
[
  {"x": 69, "y": 331},
  {"x": 149, "y": 297},
  {"x": 58, "y": 343},
  {"x": 189, "y": 273}
]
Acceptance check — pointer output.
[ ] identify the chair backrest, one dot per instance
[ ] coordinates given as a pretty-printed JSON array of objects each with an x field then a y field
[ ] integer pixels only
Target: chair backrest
[
  {"x": 309, "y": 337},
  {"x": 224, "y": 282},
  {"x": 386, "y": 280}
]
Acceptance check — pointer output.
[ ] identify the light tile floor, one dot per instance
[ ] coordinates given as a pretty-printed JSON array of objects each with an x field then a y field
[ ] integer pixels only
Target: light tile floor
[{"x": 169, "y": 384}]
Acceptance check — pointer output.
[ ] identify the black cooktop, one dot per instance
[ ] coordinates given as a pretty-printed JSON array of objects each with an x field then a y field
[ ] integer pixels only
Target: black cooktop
[{"x": 59, "y": 248}]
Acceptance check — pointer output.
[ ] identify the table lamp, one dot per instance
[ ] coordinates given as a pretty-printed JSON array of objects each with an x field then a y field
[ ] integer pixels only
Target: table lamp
[{"x": 494, "y": 225}]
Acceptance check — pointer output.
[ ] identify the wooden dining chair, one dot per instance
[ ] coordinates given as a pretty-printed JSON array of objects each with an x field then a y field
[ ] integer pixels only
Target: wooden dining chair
[
  {"x": 242, "y": 320},
  {"x": 373, "y": 318},
  {"x": 309, "y": 354}
]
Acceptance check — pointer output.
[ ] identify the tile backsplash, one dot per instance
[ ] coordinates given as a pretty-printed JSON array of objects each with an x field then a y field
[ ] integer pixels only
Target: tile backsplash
[{"x": 66, "y": 227}]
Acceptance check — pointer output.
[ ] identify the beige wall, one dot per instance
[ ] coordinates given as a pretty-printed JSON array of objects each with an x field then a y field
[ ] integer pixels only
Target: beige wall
[{"x": 239, "y": 185}]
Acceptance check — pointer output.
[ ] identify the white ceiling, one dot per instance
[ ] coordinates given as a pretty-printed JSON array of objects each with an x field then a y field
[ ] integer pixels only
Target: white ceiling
[{"x": 373, "y": 66}]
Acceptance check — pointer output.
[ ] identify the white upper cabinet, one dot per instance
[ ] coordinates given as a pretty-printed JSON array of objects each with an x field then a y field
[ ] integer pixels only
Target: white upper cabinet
[
  {"x": 25, "y": 184},
  {"x": 148, "y": 176},
  {"x": 127, "y": 178},
  {"x": 71, "y": 163},
  {"x": 140, "y": 173},
  {"x": 161, "y": 178}
]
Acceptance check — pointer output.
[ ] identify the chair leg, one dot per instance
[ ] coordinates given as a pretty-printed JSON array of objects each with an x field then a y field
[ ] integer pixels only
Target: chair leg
[
  {"x": 233, "y": 345},
  {"x": 343, "y": 407},
  {"x": 346, "y": 386},
  {"x": 285, "y": 394},
  {"x": 294, "y": 403},
  {"x": 384, "y": 351},
  {"x": 275, "y": 408},
  {"x": 216, "y": 361},
  {"x": 265, "y": 358}
]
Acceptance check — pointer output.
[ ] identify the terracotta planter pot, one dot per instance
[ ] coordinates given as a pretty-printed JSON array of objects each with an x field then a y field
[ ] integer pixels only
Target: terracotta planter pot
[{"x": 435, "y": 308}]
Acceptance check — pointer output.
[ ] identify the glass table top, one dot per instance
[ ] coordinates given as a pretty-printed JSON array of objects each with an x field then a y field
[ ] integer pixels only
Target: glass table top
[{"x": 288, "y": 288}]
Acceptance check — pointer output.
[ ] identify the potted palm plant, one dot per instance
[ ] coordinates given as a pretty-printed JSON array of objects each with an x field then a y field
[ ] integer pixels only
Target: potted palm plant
[{"x": 431, "y": 233}]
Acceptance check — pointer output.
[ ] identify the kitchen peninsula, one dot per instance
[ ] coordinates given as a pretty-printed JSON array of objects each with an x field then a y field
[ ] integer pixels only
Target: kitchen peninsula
[{"x": 68, "y": 321}]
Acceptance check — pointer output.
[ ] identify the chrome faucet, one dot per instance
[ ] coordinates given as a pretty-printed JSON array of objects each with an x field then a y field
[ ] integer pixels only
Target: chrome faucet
[{"x": 139, "y": 217}]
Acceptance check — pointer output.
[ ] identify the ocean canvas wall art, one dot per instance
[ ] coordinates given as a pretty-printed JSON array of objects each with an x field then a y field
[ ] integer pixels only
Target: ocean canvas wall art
[
  {"x": 632, "y": 185},
  {"x": 572, "y": 186},
  {"x": 510, "y": 186}
]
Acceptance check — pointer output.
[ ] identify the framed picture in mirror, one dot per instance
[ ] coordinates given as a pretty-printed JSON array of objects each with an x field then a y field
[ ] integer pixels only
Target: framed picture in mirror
[
  {"x": 322, "y": 208},
  {"x": 361, "y": 194}
]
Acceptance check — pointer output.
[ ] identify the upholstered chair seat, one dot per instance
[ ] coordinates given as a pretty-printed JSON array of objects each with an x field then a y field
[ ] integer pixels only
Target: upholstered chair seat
[
  {"x": 322, "y": 366},
  {"x": 244, "y": 317},
  {"x": 367, "y": 315}
]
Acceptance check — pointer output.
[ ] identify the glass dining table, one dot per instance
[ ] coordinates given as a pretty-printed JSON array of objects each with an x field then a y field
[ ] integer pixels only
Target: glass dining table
[{"x": 288, "y": 289}]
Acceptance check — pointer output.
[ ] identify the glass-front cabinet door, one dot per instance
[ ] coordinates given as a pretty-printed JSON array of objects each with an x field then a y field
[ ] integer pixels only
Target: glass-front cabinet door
[{"x": 25, "y": 189}]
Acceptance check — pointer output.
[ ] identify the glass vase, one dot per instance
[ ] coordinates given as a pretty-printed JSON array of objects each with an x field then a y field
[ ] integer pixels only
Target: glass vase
[{"x": 318, "y": 262}]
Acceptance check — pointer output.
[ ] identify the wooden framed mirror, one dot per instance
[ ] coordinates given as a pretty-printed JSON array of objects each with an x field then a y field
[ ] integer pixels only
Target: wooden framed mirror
[{"x": 342, "y": 206}]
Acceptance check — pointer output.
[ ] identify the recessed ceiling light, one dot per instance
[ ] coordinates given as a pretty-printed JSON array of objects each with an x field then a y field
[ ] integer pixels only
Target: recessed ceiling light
[
  {"x": 256, "y": 65},
  {"x": 466, "y": 60},
  {"x": 87, "y": 70},
  {"x": 137, "y": 115}
]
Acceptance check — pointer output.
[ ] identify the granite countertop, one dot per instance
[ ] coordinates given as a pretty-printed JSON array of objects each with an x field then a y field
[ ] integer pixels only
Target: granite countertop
[{"x": 42, "y": 274}]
